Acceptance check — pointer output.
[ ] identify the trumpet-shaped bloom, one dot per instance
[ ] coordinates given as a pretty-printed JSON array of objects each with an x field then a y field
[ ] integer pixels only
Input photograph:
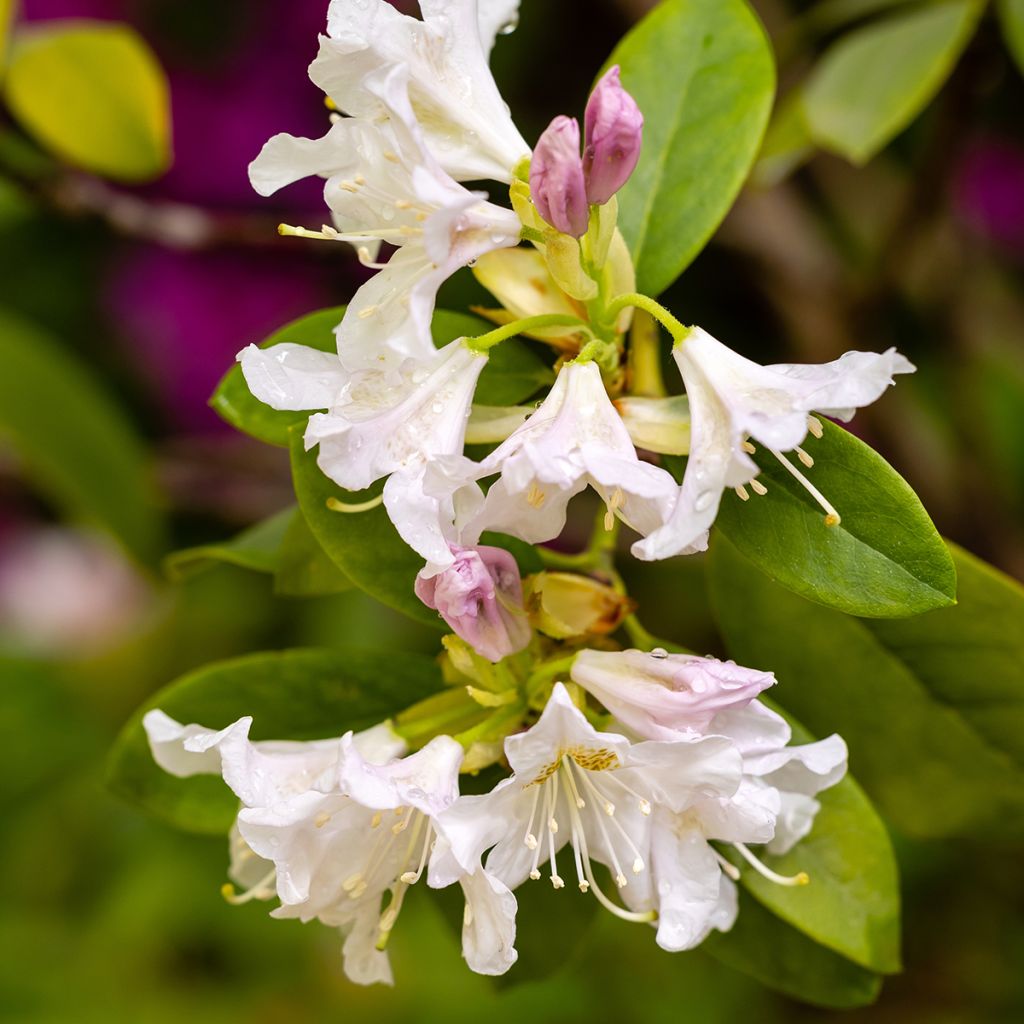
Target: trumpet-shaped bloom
[
  {"x": 341, "y": 824},
  {"x": 574, "y": 439},
  {"x": 664, "y": 696},
  {"x": 465, "y": 121},
  {"x": 609, "y": 801},
  {"x": 732, "y": 398},
  {"x": 481, "y": 597},
  {"x": 383, "y": 185},
  {"x": 674, "y": 696}
]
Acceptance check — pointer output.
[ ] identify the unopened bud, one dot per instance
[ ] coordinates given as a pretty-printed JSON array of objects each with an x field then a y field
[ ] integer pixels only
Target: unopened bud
[
  {"x": 481, "y": 597},
  {"x": 564, "y": 605},
  {"x": 556, "y": 178},
  {"x": 614, "y": 131}
]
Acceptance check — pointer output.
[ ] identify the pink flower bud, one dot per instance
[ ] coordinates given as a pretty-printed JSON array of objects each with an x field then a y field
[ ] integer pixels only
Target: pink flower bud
[
  {"x": 663, "y": 696},
  {"x": 556, "y": 178},
  {"x": 481, "y": 597},
  {"x": 614, "y": 131}
]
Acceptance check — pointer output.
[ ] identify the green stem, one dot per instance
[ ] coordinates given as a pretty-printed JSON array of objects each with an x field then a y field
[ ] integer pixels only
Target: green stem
[
  {"x": 598, "y": 554},
  {"x": 676, "y": 328},
  {"x": 485, "y": 342}
]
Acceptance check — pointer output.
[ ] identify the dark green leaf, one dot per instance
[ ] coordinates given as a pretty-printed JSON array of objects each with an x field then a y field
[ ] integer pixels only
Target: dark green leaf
[
  {"x": 94, "y": 94},
  {"x": 703, "y": 75},
  {"x": 74, "y": 441},
  {"x": 922, "y": 721},
  {"x": 884, "y": 559},
  {"x": 1011, "y": 14},
  {"x": 304, "y": 569},
  {"x": 875, "y": 80},
  {"x": 780, "y": 957},
  {"x": 852, "y": 903},
  {"x": 364, "y": 545},
  {"x": 257, "y": 548},
  {"x": 295, "y": 695}
]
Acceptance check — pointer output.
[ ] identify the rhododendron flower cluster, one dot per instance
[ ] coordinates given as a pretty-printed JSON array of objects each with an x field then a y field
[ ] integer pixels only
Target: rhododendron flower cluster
[{"x": 640, "y": 777}]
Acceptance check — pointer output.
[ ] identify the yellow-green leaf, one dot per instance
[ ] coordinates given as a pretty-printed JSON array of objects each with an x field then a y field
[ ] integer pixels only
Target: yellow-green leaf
[
  {"x": 94, "y": 94},
  {"x": 6, "y": 17},
  {"x": 1011, "y": 14}
]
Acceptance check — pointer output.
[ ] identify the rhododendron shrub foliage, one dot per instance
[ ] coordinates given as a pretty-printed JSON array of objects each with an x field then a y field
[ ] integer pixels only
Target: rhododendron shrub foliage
[{"x": 450, "y": 463}]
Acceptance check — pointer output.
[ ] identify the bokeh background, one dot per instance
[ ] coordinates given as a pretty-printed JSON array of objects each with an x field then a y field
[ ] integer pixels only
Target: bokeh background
[{"x": 106, "y": 915}]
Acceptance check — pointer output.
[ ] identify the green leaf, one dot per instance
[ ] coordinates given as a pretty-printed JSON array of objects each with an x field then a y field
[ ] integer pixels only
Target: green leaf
[
  {"x": 513, "y": 373},
  {"x": 913, "y": 698},
  {"x": 364, "y": 545},
  {"x": 257, "y": 548},
  {"x": 703, "y": 75},
  {"x": 291, "y": 695},
  {"x": 94, "y": 94},
  {"x": 304, "y": 569},
  {"x": 884, "y": 559},
  {"x": 787, "y": 143},
  {"x": 852, "y": 903},
  {"x": 1011, "y": 16},
  {"x": 761, "y": 945},
  {"x": 74, "y": 442},
  {"x": 874, "y": 81}
]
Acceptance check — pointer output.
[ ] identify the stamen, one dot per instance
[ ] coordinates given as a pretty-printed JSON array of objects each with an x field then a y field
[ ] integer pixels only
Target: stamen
[
  {"x": 773, "y": 876},
  {"x": 337, "y": 505},
  {"x": 804, "y": 457},
  {"x": 365, "y": 314},
  {"x": 831, "y": 515},
  {"x": 574, "y": 792},
  {"x": 412, "y": 877},
  {"x": 535, "y": 497},
  {"x": 556, "y": 880},
  {"x": 748, "y": 448},
  {"x": 758, "y": 488},
  {"x": 264, "y": 889},
  {"x": 727, "y": 866},
  {"x": 530, "y": 840},
  {"x": 364, "y": 257},
  {"x": 614, "y": 504},
  {"x": 741, "y": 493},
  {"x": 291, "y": 231},
  {"x": 620, "y": 877},
  {"x": 815, "y": 427},
  {"x": 572, "y": 797},
  {"x": 393, "y": 157},
  {"x": 348, "y": 186},
  {"x": 321, "y": 819}
]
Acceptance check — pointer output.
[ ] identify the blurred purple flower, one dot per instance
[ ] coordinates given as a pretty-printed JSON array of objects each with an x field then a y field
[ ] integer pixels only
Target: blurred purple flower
[
  {"x": 989, "y": 191},
  {"x": 187, "y": 314}
]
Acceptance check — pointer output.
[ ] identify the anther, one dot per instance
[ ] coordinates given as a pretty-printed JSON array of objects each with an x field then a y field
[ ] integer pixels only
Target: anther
[
  {"x": 557, "y": 882},
  {"x": 375, "y": 820},
  {"x": 815, "y": 427},
  {"x": 620, "y": 881},
  {"x": 758, "y": 488},
  {"x": 638, "y": 866},
  {"x": 348, "y": 186},
  {"x": 804, "y": 457},
  {"x": 741, "y": 493},
  {"x": 749, "y": 448},
  {"x": 365, "y": 314},
  {"x": 645, "y": 807},
  {"x": 321, "y": 819},
  {"x": 552, "y": 826},
  {"x": 530, "y": 842},
  {"x": 535, "y": 874}
]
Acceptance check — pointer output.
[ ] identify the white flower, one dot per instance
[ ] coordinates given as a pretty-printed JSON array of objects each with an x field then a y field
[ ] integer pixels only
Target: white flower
[
  {"x": 610, "y": 801},
  {"x": 383, "y": 185},
  {"x": 574, "y": 439},
  {"x": 340, "y": 823},
  {"x": 732, "y": 398},
  {"x": 465, "y": 121},
  {"x": 377, "y": 426},
  {"x": 676, "y": 696}
]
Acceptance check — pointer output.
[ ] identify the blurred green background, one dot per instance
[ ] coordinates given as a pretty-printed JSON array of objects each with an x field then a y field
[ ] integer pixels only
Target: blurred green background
[{"x": 106, "y": 915}]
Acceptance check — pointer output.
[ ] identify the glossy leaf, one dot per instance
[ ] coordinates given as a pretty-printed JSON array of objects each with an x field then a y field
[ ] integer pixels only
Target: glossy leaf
[
  {"x": 703, "y": 75},
  {"x": 364, "y": 545},
  {"x": 1011, "y": 15},
  {"x": 768, "y": 949},
  {"x": 257, "y": 548},
  {"x": 884, "y": 559},
  {"x": 94, "y": 94},
  {"x": 918, "y": 701},
  {"x": 296, "y": 695},
  {"x": 303, "y": 568},
  {"x": 874, "y": 81},
  {"x": 74, "y": 442},
  {"x": 852, "y": 903},
  {"x": 513, "y": 372},
  {"x": 787, "y": 143}
]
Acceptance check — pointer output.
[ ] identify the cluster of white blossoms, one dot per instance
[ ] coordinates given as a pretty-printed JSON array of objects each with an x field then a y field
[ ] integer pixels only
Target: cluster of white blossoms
[
  {"x": 641, "y": 778},
  {"x": 692, "y": 764}
]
